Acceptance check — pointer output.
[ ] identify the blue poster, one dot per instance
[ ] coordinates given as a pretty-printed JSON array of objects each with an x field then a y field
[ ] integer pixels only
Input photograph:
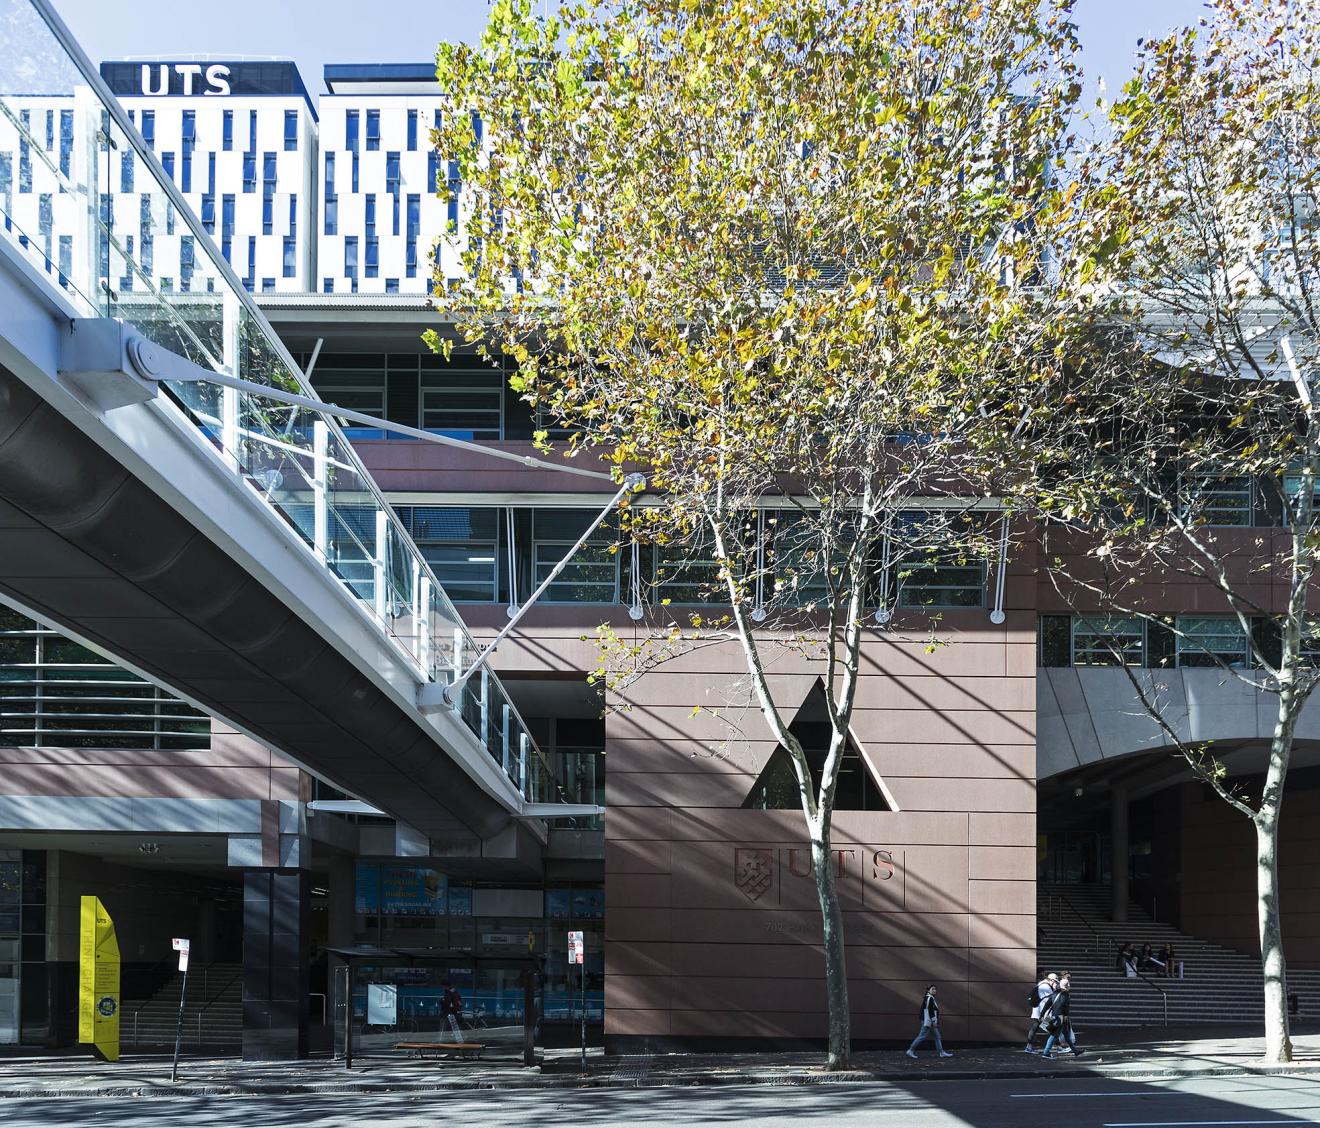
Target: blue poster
[
  {"x": 367, "y": 888},
  {"x": 412, "y": 891},
  {"x": 460, "y": 901}
]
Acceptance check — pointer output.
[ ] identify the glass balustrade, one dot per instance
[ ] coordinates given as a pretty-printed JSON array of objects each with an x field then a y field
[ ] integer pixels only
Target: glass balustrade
[{"x": 66, "y": 193}]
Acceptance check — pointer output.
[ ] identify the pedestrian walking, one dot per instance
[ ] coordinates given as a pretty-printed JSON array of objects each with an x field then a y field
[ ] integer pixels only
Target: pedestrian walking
[
  {"x": 930, "y": 1025},
  {"x": 1058, "y": 1020},
  {"x": 1040, "y": 998}
]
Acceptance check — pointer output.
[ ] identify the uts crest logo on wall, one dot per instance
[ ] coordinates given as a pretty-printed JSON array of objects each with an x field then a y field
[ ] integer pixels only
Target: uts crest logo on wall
[{"x": 753, "y": 871}]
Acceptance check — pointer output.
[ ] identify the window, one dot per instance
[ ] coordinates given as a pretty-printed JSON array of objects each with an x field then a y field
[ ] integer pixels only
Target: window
[
  {"x": 187, "y": 262},
  {"x": 373, "y": 130},
  {"x": 350, "y": 256},
  {"x": 252, "y": 256},
  {"x": 167, "y": 163},
  {"x": 466, "y": 403},
  {"x": 329, "y": 175},
  {"x": 392, "y": 173},
  {"x": 433, "y": 171},
  {"x": 249, "y": 172},
  {"x": 210, "y": 172},
  {"x": 268, "y": 285},
  {"x": 1211, "y": 640},
  {"x": 290, "y": 256},
  {"x": 414, "y": 231},
  {"x": 66, "y": 142},
  {"x": 462, "y": 547},
  {"x": 592, "y": 575},
  {"x": 290, "y": 130},
  {"x": 1095, "y": 640},
  {"x": 293, "y": 213},
  {"x": 149, "y": 128},
  {"x": 328, "y": 287},
  {"x": 686, "y": 573},
  {"x": 66, "y": 258},
  {"x": 185, "y": 172},
  {"x": 352, "y": 381},
  {"x": 412, "y": 131},
  {"x": 126, "y": 168},
  {"x": 351, "y": 130},
  {"x": 56, "y": 693},
  {"x": 252, "y": 131},
  {"x": 227, "y": 215},
  {"x": 331, "y": 216},
  {"x": 208, "y": 213},
  {"x": 267, "y": 211},
  {"x": 372, "y": 266},
  {"x": 268, "y": 169},
  {"x": 190, "y": 127},
  {"x": 354, "y": 184},
  {"x": 454, "y": 184},
  {"x": 391, "y": 285},
  {"x": 792, "y": 553},
  {"x": 369, "y": 213},
  {"x": 227, "y": 131},
  {"x": 1211, "y": 500}
]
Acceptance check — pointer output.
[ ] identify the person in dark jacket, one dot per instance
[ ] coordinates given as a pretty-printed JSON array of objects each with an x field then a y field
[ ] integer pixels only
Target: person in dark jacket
[
  {"x": 930, "y": 1024},
  {"x": 1043, "y": 992},
  {"x": 1058, "y": 1021}
]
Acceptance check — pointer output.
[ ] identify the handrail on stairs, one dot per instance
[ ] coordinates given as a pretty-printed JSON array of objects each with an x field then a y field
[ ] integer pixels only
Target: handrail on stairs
[
  {"x": 234, "y": 978},
  {"x": 1108, "y": 952}
]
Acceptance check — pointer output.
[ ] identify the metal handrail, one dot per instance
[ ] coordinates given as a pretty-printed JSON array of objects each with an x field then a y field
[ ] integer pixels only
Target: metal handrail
[
  {"x": 238, "y": 975},
  {"x": 1109, "y": 947}
]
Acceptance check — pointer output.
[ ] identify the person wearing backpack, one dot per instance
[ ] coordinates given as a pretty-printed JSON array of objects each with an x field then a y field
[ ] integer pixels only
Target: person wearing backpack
[
  {"x": 1039, "y": 998},
  {"x": 1058, "y": 1021},
  {"x": 930, "y": 1024}
]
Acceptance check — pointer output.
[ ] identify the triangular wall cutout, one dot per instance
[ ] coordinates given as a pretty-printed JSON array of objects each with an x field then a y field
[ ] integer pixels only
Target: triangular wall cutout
[{"x": 860, "y": 788}]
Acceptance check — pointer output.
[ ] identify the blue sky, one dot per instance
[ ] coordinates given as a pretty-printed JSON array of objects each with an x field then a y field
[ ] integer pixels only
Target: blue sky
[{"x": 316, "y": 32}]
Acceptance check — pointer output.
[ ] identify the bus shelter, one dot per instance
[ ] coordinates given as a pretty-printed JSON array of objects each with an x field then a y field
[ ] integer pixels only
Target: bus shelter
[{"x": 392, "y": 1001}]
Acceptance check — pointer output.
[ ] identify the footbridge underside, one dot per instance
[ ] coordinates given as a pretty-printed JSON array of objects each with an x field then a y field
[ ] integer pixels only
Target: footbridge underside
[{"x": 111, "y": 526}]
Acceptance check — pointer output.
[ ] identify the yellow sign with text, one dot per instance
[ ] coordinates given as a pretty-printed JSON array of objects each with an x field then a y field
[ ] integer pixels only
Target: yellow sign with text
[{"x": 98, "y": 980}]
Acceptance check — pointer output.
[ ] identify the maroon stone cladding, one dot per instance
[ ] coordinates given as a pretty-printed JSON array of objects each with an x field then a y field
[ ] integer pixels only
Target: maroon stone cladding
[{"x": 712, "y": 925}]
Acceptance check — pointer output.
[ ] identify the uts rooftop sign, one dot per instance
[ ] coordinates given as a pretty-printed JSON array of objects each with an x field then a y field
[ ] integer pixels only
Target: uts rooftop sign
[{"x": 189, "y": 78}]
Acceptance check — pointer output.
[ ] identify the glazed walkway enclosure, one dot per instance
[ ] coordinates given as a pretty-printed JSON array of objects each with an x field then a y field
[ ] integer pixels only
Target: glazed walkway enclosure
[{"x": 228, "y": 546}]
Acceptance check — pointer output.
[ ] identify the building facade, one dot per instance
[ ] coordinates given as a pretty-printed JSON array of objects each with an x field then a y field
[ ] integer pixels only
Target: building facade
[{"x": 980, "y": 767}]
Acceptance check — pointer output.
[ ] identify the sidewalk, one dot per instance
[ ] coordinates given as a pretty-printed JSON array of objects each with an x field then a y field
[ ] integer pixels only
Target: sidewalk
[{"x": 1136, "y": 1056}]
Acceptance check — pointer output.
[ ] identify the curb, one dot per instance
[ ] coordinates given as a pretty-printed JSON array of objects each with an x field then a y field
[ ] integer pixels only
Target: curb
[{"x": 675, "y": 1081}]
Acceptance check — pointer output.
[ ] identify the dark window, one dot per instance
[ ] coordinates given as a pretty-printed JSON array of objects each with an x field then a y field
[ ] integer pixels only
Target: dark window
[
  {"x": 149, "y": 127},
  {"x": 268, "y": 212},
  {"x": 1054, "y": 641},
  {"x": 328, "y": 285},
  {"x": 290, "y": 129},
  {"x": 268, "y": 169},
  {"x": 185, "y": 173},
  {"x": 391, "y": 285},
  {"x": 372, "y": 268},
  {"x": 249, "y": 172},
  {"x": 290, "y": 257},
  {"x": 227, "y": 131},
  {"x": 252, "y": 131},
  {"x": 462, "y": 546},
  {"x": 351, "y": 256},
  {"x": 351, "y": 130},
  {"x": 268, "y": 285},
  {"x": 373, "y": 129},
  {"x": 369, "y": 214},
  {"x": 189, "y": 127},
  {"x": 392, "y": 172},
  {"x": 227, "y": 215},
  {"x": 293, "y": 213},
  {"x": 412, "y": 131},
  {"x": 208, "y": 213},
  {"x": 776, "y": 788}
]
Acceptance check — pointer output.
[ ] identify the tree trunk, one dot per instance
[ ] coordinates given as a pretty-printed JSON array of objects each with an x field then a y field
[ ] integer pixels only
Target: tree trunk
[
  {"x": 1278, "y": 1045},
  {"x": 836, "y": 967}
]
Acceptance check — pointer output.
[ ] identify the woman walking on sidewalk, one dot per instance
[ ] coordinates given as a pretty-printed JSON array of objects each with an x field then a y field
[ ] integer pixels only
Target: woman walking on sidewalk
[
  {"x": 1057, "y": 1019},
  {"x": 930, "y": 1024}
]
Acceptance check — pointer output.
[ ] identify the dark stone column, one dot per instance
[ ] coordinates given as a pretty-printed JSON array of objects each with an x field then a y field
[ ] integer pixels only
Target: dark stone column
[
  {"x": 276, "y": 920},
  {"x": 1118, "y": 852}
]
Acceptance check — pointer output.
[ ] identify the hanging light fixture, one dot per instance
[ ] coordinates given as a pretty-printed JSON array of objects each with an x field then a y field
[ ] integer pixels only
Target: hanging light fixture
[
  {"x": 635, "y": 610},
  {"x": 512, "y": 609}
]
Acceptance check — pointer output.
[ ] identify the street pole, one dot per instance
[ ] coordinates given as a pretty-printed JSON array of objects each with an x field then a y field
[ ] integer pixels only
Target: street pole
[
  {"x": 178, "y": 1029},
  {"x": 583, "y": 978},
  {"x": 348, "y": 1016}
]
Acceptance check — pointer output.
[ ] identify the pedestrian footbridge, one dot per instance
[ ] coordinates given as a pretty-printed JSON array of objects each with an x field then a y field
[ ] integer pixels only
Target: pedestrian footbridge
[{"x": 229, "y": 546}]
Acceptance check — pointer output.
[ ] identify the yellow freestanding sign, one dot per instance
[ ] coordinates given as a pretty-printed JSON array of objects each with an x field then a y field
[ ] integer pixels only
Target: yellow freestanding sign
[{"x": 98, "y": 980}]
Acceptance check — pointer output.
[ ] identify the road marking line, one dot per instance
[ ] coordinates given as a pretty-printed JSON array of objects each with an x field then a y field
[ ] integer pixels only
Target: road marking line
[
  {"x": 1065, "y": 1096},
  {"x": 1189, "y": 1123}
]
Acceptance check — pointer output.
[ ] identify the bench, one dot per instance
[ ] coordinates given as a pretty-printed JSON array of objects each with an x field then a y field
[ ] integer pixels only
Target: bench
[{"x": 422, "y": 1049}]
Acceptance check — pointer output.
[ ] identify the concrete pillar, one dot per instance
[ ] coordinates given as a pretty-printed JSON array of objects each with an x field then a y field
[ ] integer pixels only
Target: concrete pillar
[
  {"x": 1118, "y": 852},
  {"x": 276, "y": 929}
]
